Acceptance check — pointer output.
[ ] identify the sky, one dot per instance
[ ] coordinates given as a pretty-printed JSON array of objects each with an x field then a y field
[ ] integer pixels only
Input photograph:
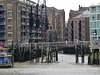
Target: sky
[{"x": 68, "y": 5}]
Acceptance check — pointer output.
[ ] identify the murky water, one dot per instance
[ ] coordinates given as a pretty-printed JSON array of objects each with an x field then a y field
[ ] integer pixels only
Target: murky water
[{"x": 65, "y": 66}]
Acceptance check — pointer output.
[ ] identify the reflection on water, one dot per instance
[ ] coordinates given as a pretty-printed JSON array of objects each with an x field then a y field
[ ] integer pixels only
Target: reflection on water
[{"x": 65, "y": 66}]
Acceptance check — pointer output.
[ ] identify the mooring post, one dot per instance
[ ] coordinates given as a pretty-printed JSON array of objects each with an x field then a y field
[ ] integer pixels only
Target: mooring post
[
  {"x": 77, "y": 54},
  {"x": 24, "y": 54},
  {"x": 12, "y": 54},
  {"x": 89, "y": 57},
  {"x": 56, "y": 53},
  {"x": 50, "y": 55},
  {"x": 82, "y": 52},
  {"x": 30, "y": 52},
  {"x": 47, "y": 59},
  {"x": 98, "y": 57},
  {"x": 42, "y": 54},
  {"x": 19, "y": 53},
  {"x": 36, "y": 55}
]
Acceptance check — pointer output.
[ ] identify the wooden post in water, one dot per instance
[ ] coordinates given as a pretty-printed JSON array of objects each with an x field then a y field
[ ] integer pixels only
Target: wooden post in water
[
  {"x": 82, "y": 52},
  {"x": 30, "y": 52},
  {"x": 50, "y": 55},
  {"x": 37, "y": 54},
  {"x": 19, "y": 53},
  {"x": 76, "y": 52},
  {"x": 12, "y": 54},
  {"x": 42, "y": 54},
  {"x": 98, "y": 57},
  {"x": 47, "y": 58},
  {"x": 56, "y": 53},
  {"x": 93, "y": 57}
]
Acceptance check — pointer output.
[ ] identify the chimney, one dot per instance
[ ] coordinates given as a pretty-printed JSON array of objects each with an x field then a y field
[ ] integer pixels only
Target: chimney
[{"x": 79, "y": 6}]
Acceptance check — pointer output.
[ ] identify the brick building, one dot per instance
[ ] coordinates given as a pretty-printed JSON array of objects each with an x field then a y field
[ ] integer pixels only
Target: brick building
[
  {"x": 56, "y": 31},
  {"x": 78, "y": 25},
  {"x": 17, "y": 22}
]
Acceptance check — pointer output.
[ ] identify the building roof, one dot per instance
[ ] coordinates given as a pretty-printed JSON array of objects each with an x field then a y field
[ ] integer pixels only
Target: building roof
[
  {"x": 2, "y": 48},
  {"x": 73, "y": 12},
  {"x": 81, "y": 10},
  {"x": 82, "y": 16}
]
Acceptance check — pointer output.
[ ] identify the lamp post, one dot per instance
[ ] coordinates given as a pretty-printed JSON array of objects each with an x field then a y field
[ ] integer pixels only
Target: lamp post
[{"x": 95, "y": 33}]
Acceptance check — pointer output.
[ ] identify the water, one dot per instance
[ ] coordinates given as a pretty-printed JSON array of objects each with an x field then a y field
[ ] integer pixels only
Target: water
[{"x": 65, "y": 66}]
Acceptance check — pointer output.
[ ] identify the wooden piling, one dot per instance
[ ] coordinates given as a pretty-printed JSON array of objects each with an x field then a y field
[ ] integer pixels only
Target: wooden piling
[
  {"x": 56, "y": 53},
  {"x": 82, "y": 50},
  {"x": 19, "y": 53},
  {"x": 42, "y": 54},
  {"x": 76, "y": 52},
  {"x": 30, "y": 52}
]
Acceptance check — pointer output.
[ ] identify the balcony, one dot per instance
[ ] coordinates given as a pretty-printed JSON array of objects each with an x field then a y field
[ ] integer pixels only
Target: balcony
[
  {"x": 2, "y": 23},
  {"x": 27, "y": 16},
  {"x": 2, "y": 38},
  {"x": 39, "y": 31},
  {"x": 33, "y": 37},
  {"x": 23, "y": 16},
  {"x": 1, "y": 8},
  {"x": 33, "y": 11},
  {"x": 2, "y": 15},
  {"x": 22, "y": 30},
  {"x": 33, "y": 31},
  {"x": 2, "y": 31},
  {"x": 22, "y": 9},
  {"x": 27, "y": 23},
  {"x": 23, "y": 23},
  {"x": 27, "y": 30},
  {"x": 39, "y": 38}
]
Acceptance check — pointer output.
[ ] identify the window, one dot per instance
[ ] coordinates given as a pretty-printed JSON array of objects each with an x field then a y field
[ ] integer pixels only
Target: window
[
  {"x": 83, "y": 37},
  {"x": 76, "y": 32},
  {"x": 83, "y": 21},
  {"x": 98, "y": 17},
  {"x": 93, "y": 17},
  {"x": 9, "y": 7},
  {"x": 93, "y": 25},
  {"x": 9, "y": 35},
  {"x": 93, "y": 9},
  {"x": 75, "y": 37},
  {"x": 9, "y": 42},
  {"x": 9, "y": 20},
  {"x": 98, "y": 32},
  {"x": 75, "y": 22},
  {"x": 9, "y": 28},
  {"x": 75, "y": 26},
  {"x": 9, "y": 14},
  {"x": 50, "y": 27},
  {"x": 98, "y": 9},
  {"x": 98, "y": 24}
]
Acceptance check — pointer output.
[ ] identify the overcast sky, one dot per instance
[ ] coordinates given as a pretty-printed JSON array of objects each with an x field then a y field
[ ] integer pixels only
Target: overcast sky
[{"x": 68, "y": 5}]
